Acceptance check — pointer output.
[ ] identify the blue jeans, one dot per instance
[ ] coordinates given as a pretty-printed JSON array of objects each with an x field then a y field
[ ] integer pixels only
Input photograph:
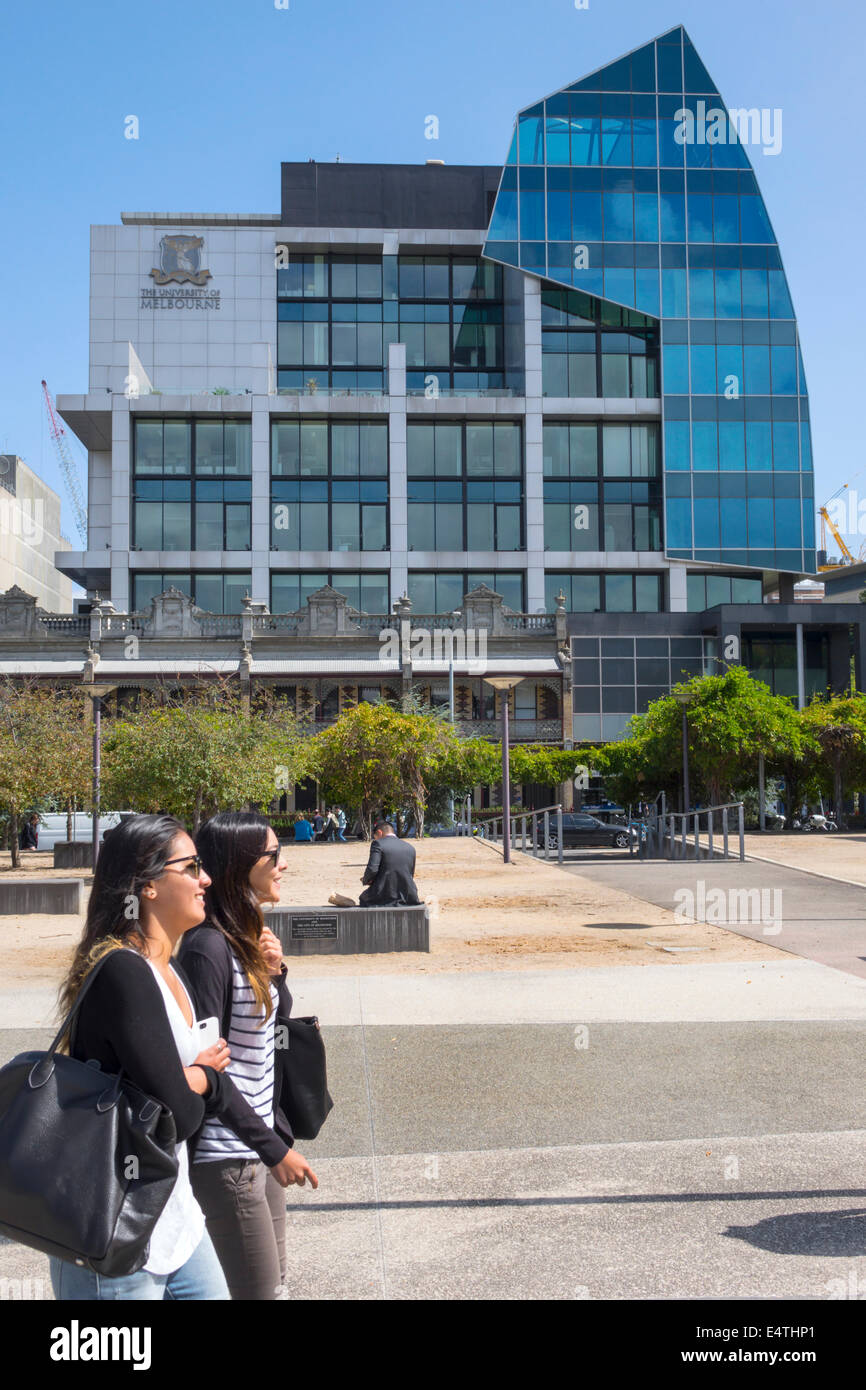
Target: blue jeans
[{"x": 200, "y": 1278}]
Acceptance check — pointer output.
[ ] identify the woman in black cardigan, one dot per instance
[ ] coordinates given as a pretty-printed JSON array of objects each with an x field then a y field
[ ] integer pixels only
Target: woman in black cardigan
[
  {"x": 237, "y": 973},
  {"x": 148, "y": 889}
]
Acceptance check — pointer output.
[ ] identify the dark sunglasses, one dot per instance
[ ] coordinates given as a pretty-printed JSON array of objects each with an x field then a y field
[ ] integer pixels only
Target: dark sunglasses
[
  {"x": 272, "y": 854},
  {"x": 192, "y": 862}
]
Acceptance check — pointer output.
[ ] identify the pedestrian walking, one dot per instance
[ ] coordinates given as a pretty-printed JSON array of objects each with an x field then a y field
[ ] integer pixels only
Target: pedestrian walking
[
  {"x": 341, "y": 824},
  {"x": 244, "y": 1156},
  {"x": 29, "y": 837},
  {"x": 137, "y": 1018}
]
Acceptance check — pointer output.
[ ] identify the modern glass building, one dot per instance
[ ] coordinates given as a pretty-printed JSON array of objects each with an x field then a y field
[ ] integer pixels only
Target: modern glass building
[
  {"x": 632, "y": 189},
  {"x": 578, "y": 374}
]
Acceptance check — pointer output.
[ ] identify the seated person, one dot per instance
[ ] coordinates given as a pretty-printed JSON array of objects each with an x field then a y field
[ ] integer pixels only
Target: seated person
[
  {"x": 389, "y": 873},
  {"x": 303, "y": 831}
]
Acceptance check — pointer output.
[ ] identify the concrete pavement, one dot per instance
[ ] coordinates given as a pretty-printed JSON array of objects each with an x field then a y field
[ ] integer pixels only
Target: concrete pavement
[{"x": 677, "y": 1131}]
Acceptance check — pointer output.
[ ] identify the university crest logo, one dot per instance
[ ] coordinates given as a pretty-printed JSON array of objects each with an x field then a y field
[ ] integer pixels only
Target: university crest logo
[{"x": 180, "y": 260}]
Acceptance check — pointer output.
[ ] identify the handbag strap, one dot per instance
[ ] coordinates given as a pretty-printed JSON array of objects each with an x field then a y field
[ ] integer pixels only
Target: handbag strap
[{"x": 68, "y": 1020}]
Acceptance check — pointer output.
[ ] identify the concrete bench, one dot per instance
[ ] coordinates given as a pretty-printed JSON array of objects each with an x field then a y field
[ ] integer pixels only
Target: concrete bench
[
  {"x": 73, "y": 854},
  {"x": 20, "y": 896},
  {"x": 350, "y": 931}
]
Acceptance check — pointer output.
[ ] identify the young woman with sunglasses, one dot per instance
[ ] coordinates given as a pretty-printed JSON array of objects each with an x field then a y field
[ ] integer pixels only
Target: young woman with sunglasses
[
  {"x": 148, "y": 889},
  {"x": 236, "y": 969}
]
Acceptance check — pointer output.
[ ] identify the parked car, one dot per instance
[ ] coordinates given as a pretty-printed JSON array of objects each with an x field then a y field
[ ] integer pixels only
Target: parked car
[
  {"x": 580, "y": 829},
  {"x": 52, "y": 826}
]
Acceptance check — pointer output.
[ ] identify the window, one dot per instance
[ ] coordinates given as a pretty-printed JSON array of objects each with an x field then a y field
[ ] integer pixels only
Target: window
[
  {"x": 337, "y": 316},
  {"x": 595, "y": 349},
  {"x": 602, "y": 488},
  {"x": 465, "y": 486},
  {"x": 191, "y": 485},
  {"x": 444, "y": 592},
  {"x": 329, "y": 485},
  {"x": 587, "y": 592},
  {"x": 213, "y": 593},
  {"x": 707, "y": 590},
  {"x": 366, "y": 592}
]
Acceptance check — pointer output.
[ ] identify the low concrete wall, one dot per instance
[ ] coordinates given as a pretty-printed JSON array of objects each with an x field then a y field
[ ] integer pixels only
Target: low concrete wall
[
  {"x": 19, "y": 896},
  {"x": 350, "y": 931},
  {"x": 72, "y": 854}
]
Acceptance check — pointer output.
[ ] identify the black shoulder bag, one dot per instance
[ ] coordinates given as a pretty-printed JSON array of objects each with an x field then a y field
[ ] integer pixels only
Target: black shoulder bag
[
  {"x": 302, "y": 1081},
  {"x": 87, "y": 1160}
]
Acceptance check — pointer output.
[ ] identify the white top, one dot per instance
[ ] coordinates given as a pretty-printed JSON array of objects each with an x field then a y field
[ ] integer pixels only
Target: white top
[
  {"x": 180, "y": 1225},
  {"x": 251, "y": 1040}
]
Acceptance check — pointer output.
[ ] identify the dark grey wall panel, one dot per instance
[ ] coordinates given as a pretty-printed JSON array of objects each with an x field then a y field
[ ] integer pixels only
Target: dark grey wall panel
[
  {"x": 350, "y": 931},
  {"x": 388, "y": 195},
  {"x": 20, "y": 896}
]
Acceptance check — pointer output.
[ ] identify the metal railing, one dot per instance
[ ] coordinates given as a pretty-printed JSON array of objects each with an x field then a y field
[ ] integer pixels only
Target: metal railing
[
  {"x": 702, "y": 834},
  {"x": 539, "y": 841}
]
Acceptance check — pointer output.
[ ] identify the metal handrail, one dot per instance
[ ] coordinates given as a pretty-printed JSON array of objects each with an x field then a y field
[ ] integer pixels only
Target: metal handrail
[{"x": 542, "y": 814}]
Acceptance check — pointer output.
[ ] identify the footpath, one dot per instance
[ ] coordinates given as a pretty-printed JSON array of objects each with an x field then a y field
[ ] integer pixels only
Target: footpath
[{"x": 573, "y": 1096}]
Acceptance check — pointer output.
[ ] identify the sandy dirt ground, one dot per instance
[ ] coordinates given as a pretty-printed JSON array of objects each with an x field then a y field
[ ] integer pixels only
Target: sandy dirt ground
[
  {"x": 486, "y": 915},
  {"x": 840, "y": 855}
]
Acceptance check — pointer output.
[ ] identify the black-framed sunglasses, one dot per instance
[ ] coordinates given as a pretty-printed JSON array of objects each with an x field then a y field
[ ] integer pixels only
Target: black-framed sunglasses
[
  {"x": 192, "y": 861},
  {"x": 273, "y": 854}
]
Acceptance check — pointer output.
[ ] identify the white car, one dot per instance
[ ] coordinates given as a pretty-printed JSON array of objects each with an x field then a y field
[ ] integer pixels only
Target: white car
[{"x": 52, "y": 827}]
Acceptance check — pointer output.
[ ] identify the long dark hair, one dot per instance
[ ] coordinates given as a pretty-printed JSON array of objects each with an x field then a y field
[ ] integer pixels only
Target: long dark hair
[
  {"x": 229, "y": 845},
  {"x": 131, "y": 855}
]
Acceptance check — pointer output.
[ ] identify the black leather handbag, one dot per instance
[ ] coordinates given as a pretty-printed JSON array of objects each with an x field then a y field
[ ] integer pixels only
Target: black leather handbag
[
  {"x": 87, "y": 1160},
  {"x": 303, "y": 1095}
]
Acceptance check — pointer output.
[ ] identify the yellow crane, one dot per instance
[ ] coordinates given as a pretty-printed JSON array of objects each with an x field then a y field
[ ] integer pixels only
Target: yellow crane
[{"x": 828, "y": 523}]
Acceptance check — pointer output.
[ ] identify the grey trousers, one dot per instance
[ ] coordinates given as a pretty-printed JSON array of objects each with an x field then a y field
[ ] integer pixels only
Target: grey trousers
[{"x": 245, "y": 1211}]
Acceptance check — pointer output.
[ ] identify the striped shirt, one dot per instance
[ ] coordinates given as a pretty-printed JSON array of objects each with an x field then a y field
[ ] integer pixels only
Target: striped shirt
[{"x": 251, "y": 1042}]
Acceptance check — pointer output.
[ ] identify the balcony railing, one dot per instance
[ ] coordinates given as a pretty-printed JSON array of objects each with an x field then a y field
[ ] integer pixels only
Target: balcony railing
[
  {"x": 220, "y": 624},
  {"x": 264, "y": 623},
  {"x": 519, "y": 730},
  {"x": 457, "y": 391},
  {"x": 76, "y": 625}
]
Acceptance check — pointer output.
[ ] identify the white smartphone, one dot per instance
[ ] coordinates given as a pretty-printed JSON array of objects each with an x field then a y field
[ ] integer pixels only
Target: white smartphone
[{"x": 207, "y": 1032}]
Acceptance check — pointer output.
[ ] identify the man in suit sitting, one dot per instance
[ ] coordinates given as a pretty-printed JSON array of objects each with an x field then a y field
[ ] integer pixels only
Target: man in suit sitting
[{"x": 389, "y": 873}]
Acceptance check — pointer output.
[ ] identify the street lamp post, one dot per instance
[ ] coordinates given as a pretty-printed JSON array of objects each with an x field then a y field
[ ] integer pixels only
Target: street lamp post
[
  {"x": 96, "y": 693},
  {"x": 456, "y": 615},
  {"x": 505, "y": 684},
  {"x": 684, "y": 700}
]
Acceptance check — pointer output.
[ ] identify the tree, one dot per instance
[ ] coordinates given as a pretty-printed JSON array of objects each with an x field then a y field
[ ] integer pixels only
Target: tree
[
  {"x": 200, "y": 756},
  {"x": 44, "y": 749},
  {"x": 838, "y": 726},
  {"x": 377, "y": 758},
  {"x": 732, "y": 719}
]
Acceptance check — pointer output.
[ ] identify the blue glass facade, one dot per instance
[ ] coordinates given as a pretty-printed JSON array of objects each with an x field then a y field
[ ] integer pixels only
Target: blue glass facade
[{"x": 634, "y": 186}]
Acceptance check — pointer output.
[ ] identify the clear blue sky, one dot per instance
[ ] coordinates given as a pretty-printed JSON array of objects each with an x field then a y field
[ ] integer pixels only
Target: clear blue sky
[{"x": 225, "y": 90}]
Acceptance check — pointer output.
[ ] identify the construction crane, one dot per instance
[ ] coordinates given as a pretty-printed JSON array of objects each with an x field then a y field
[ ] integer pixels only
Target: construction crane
[
  {"x": 67, "y": 467},
  {"x": 828, "y": 523}
]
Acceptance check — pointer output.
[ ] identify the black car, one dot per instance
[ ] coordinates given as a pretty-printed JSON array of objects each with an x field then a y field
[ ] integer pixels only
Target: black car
[{"x": 579, "y": 829}]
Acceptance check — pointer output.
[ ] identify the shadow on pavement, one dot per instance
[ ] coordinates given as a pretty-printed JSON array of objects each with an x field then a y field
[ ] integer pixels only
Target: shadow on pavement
[{"x": 807, "y": 1233}]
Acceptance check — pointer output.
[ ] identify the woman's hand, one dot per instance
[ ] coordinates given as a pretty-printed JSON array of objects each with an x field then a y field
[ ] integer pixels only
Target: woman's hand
[
  {"x": 197, "y": 1080},
  {"x": 218, "y": 1056},
  {"x": 272, "y": 951},
  {"x": 294, "y": 1168}
]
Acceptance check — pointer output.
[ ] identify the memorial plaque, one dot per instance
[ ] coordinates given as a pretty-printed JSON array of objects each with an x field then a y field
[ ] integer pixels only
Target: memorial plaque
[{"x": 322, "y": 926}]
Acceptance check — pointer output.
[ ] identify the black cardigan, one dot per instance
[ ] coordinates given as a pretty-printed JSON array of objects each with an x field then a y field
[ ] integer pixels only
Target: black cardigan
[
  {"x": 206, "y": 955},
  {"x": 122, "y": 1023}
]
